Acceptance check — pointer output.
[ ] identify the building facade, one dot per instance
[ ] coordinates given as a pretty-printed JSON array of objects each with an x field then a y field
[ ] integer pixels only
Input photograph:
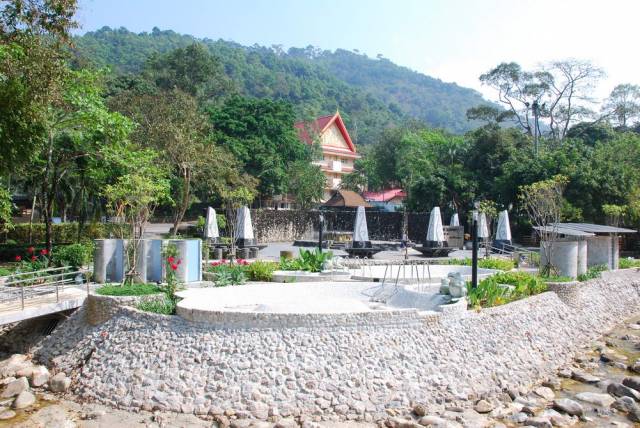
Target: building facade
[{"x": 338, "y": 151}]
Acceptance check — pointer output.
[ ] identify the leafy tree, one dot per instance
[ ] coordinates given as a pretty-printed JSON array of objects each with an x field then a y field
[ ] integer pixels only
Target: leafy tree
[
  {"x": 33, "y": 35},
  {"x": 136, "y": 193},
  {"x": 306, "y": 183},
  {"x": 261, "y": 135},
  {"x": 623, "y": 104},
  {"x": 558, "y": 91},
  {"x": 191, "y": 69},
  {"x": 73, "y": 128},
  {"x": 543, "y": 202}
]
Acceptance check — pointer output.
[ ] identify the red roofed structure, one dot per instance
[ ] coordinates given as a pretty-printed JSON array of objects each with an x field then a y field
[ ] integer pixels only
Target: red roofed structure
[
  {"x": 389, "y": 200},
  {"x": 338, "y": 151}
]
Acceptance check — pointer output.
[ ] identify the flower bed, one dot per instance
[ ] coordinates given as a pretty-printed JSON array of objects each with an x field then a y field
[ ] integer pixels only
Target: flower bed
[{"x": 128, "y": 290}]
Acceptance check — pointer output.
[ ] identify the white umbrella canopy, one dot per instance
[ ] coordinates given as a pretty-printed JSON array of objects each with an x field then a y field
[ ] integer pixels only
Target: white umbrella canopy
[
  {"x": 503, "y": 231},
  {"x": 435, "y": 232},
  {"x": 244, "y": 228},
  {"x": 360, "y": 231},
  {"x": 211, "y": 225},
  {"x": 483, "y": 228},
  {"x": 455, "y": 220}
]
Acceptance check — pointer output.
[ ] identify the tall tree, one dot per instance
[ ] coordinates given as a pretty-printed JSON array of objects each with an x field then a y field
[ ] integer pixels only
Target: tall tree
[
  {"x": 623, "y": 104},
  {"x": 558, "y": 92}
]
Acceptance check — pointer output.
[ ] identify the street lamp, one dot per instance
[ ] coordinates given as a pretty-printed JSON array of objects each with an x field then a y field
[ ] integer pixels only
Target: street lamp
[
  {"x": 320, "y": 227},
  {"x": 474, "y": 253}
]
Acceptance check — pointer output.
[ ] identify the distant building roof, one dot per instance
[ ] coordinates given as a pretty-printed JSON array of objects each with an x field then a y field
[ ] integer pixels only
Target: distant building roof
[
  {"x": 384, "y": 195},
  {"x": 565, "y": 231},
  {"x": 595, "y": 228},
  {"x": 346, "y": 198},
  {"x": 306, "y": 130}
]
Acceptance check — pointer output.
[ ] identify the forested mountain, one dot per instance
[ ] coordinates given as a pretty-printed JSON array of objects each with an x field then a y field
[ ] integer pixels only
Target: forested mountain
[{"x": 371, "y": 94}]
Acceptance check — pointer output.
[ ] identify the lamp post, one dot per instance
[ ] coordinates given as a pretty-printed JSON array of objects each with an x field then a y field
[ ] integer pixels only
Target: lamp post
[
  {"x": 320, "y": 227},
  {"x": 474, "y": 253}
]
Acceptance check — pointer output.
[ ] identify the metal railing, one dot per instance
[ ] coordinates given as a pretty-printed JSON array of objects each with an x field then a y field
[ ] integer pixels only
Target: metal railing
[
  {"x": 518, "y": 254},
  {"x": 20, "y": 287}
]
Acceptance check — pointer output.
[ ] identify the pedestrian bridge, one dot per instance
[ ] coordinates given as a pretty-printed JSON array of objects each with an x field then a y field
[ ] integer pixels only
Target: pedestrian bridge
[{"x": 29, "y": 295}]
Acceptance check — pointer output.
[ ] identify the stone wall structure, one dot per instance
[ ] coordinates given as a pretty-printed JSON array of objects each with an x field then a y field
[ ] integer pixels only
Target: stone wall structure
[{"x": 140, "y": 360}]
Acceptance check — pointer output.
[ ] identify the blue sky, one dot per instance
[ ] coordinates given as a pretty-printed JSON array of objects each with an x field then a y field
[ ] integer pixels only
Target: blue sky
[{"x": 453, "y": 40}]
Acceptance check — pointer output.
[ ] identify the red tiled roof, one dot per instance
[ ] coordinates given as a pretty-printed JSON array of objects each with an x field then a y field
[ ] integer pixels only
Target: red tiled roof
[
  {"x": 384, "y": 195},
  {"x": 320, "y": 125},
  {"x": 346, "y": 198}
]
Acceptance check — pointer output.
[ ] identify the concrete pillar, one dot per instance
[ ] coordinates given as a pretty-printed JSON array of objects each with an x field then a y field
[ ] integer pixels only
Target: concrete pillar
[
  {"x": 149, "y": 263},
  {"x": 600, "y": 251},
  {"x": 582, "y": 256},
  {"x": 564, "y": 257},
  {"x": 108, "y": 260},
  {"x": 615, "y": 252},
  {"x": 190, "y": 256}
]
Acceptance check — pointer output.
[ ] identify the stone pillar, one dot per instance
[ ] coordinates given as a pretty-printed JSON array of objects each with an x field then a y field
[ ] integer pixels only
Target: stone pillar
[
  {"x": 149, "y": 263},
  {"x": 600, "y": 251},
  {"x": 564, "y": 257},
  {"x": 582, "y": 256},
  {"x": 190, "y": 256},
  {"x": 108, "y": 260}
]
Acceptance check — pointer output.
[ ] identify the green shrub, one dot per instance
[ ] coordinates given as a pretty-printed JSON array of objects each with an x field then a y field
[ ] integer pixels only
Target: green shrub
[
  {"x": 309, "y": 260},
  {"x": 5, "y": 272},
  {"x": 592, "y": 273},
  {"x": 228, "y": 273},
  {"x": 556, "y": 278},
  {"x": 628, "y": 263},
  {"x": 65, "y": 233},
  {"x": 128, "y": 290},
  {"x": 164, "y": 307},
  {"x": 494, "y": 291},
  {"x": 74, "y": 255},
  {"x": 261, "y": 270},
  {"x": 489, "y": 263}
]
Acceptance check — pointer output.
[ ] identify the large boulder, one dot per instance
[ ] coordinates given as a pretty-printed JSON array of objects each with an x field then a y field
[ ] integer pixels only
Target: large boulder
[
  {"x": 14, "y": 364},
  {"x": 59, "y": 383},
  {"x": 24, "y": 400},
  {"x": 620, "y": 390},
  {"x": 632, "y": 382},
  {"x": 39, "y": 376},
  {"x": 601, "y": 400},
  {"x": 568, "y": 406},
  {"x": 15, "y": 388}
]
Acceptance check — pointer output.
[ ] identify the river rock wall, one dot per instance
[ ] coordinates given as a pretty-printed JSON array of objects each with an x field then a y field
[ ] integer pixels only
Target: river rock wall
[{"x": 140, "y": 360}]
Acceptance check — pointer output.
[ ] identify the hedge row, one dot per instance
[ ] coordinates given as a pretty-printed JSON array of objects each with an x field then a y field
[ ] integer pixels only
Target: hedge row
[{"x": 66, "y": 233}]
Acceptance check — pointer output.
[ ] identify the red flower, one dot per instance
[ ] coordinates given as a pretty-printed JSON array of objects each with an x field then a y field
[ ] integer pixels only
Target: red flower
[
  {"x": 170, "y": 259},
  {"x": 44, "y": 252},
  {"x": 215, "y": 264},
  {"x": 18, "y": 258},
  {"x": 30, "y": 250},
  {"x": 34, "y": 258},
  {"x": 174, "y": 266}
]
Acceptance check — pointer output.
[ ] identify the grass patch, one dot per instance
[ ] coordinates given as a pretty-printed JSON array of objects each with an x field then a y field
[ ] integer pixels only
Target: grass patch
[
  {"x": 592, "y": 273},
  {"x": 164, "y": 307},
  {"x": 489, "y": 263},
  {"x": 556, "y": 278},
  {"x": 128, "y": 290},
  {"x": 628, "y": 263}
]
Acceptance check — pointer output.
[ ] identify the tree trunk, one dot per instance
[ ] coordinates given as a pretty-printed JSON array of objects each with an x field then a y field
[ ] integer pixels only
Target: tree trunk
[{"x": 181, "y": 209}]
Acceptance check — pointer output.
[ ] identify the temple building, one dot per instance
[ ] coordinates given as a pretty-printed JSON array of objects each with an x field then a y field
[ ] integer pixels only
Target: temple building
[{"x": 338, "y": 151}]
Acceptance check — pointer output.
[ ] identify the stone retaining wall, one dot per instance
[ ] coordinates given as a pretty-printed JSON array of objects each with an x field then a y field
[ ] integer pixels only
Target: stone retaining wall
[
  {"x": 140, "y": 360},
  {"x": 100, "y": 308}
]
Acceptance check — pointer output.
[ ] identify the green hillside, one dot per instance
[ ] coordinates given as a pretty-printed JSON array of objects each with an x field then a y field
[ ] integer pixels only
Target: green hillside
[{"x": 371, "y": 94}]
